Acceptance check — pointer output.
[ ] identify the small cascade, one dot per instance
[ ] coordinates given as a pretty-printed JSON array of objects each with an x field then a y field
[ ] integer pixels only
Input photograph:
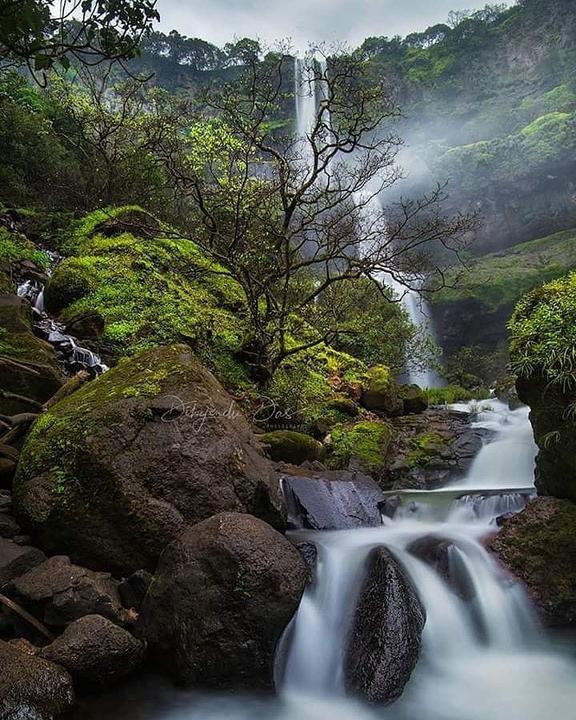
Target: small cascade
[
  {"x": 71, "y": 354},
  {"x": 484, "y": 654}
]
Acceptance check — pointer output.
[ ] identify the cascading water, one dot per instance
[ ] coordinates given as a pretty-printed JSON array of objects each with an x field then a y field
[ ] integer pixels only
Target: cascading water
[{"x": 483, "y": 657}]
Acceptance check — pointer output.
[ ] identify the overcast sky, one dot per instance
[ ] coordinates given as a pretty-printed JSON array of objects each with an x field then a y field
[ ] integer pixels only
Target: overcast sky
[{"x": 305, "y": 21}]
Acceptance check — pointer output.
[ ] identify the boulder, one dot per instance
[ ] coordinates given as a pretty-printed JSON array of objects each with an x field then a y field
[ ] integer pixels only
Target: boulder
[
  {"x": 413, "y": 398},
  {"x": 385, "y": 638},
  {"x": 435, "y": 552},
  {"x": 554, "y": 425},
  {"x": 538, "y": 546},
  {"x": 95, "y": 651},
  {"x": 223, "y": 593},
  {"x": 16, "y": 560},
  {"x": 430, "y": 449},
  {"x": 380, "y": 392},
  {"x": 87, "y": 325},
  {"x": 361, "y": 446},
  {"x": 60, "y": 592},
  {"x": 9, "y": 527},
  {"x": 28, "y": 366},
  {"x": 151, "y": 446},
  {"x": 32, "y": 688},
  {"x": 331, "y": 500},
  {"x": 292, "y": 447},
  {"x": 133, "y": 589}
]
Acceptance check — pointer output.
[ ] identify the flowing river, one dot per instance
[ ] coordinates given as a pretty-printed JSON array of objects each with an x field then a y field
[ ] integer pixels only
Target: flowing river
[{"x": 485, "y": 657}]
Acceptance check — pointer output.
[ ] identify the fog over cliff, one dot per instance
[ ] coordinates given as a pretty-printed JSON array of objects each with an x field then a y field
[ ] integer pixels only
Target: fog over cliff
[{"x": 219, "y": 21}]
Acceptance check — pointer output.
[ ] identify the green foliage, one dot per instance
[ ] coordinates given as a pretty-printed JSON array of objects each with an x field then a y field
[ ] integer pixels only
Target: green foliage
[
  {"x": 543, "y": 333},
  {"x": 366, "y": 324},
  {"x": 14, "y": 246},
  {"x": 42, "y": 32},
  {"x": 453, "y": 394},
  {"x": 498, "y": 280},
  {"x": 365, "y": 444}
]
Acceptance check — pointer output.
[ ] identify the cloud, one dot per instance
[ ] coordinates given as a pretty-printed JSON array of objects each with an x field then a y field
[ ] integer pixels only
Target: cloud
[{"x": 305, "y": 21}]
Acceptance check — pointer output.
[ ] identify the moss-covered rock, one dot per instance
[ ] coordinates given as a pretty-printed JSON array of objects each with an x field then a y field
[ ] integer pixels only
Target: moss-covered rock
[
  {"x": 543, "y": 352},
  {"x": 414, "y": 399},
  {"x": 539, "y": 546},
  {"x": 363, "y": 445},
  {"x": 150, "y": 288},
  {"x": 113, "y": 473},
  {"x": 380, "y": 392},
  {"x": 292, "y": 447},
  {"x": 28, "y": 367}
]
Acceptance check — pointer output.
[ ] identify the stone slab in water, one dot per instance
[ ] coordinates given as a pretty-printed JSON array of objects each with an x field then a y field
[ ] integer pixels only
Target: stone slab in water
[{"x": 334, "y": 501}]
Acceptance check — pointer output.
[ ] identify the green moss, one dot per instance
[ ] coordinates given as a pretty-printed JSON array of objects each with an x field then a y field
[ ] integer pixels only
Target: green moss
[
  {"x": 292, "y": 447},
  {"x": 543, "y": 333},
  {"x": 498, "y": 280},
  {"x": 150, "y": 291},
  {"x": 425, "y": 448},
  {"x": 14, "y": 247},
  {"x": 453, "y": 394},
  {"x": 365, "y": 444},
  {"x": 55, "y": 442}
]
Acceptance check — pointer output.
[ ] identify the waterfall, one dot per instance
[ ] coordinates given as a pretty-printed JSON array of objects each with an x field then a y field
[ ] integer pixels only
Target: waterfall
[{"x": 484, "y": 656}]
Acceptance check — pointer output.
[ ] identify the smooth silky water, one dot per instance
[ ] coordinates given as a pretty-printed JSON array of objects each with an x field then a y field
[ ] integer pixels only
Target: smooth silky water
[{"x": 485, "y": 658}]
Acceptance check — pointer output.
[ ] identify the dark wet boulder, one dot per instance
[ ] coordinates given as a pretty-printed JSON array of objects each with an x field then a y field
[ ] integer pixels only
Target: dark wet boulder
[
  {"x": 59, "y": 592},
  {"x": 380, "y": 392},
  {"x": 538, "y": 546},
  {"x": 385, "y": 638},
  {"x": 133, "y": 589},
  {"x": 86, "y": 325},
  {"x": 9, "y": 527},
  {"x": 331, "y": 500},
  {"x": 151, "y": 446},
  {"x": 292, "y": 447},
  {"x": 95, "y": 651},
  {"x": 223, "y": 593},
  {"x": 32, "y": 688},
  {"x": 15, "y": 560},
  {"x": 436, "y": 552},
  {"x": 413, "y": 398},
  {"x": 28, "y": 367}
]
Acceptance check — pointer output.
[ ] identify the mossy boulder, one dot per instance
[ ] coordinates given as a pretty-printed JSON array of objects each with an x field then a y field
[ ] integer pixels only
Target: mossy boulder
[
  {"x": 539, "y": 546},
  {"x": 113, "y": 473},
  {"x": 542, "y": 349},
  {"x": 380, "y": 393},
  {"x": 28, "y": 366},
  {"x": 149, "y": 288},
  {"x": 292, "y": 447},
  {"x": 363, "y": 446},
  {"x": 413, "y": 398}
]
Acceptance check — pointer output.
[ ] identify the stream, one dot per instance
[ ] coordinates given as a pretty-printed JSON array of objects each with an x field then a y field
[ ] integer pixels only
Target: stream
[{"x": 484, "y": 658}]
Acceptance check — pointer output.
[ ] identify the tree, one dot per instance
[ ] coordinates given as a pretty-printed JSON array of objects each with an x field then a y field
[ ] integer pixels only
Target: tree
[
  {"x": 289, "y": 217},
  {"x": 113, "y": 128},
  {"x": 42, "y": 32}
]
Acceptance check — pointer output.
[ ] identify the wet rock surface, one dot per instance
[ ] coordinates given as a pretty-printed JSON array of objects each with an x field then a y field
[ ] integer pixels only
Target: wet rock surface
[
  {"x": 152, "y": 445},
  {"x": 331, "y": 500},
  {"x": 223, "y": 593},
  {"x": 60, "y": 592},
  {"x": 95, "y": 651},
  {"x": 15, "y": 560},
  {"x": 385, "y": 638},
  {"x": 430, "y": 449},
  {"x": 32, "y": 688},
  {"x": 538, "y": 546}
]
